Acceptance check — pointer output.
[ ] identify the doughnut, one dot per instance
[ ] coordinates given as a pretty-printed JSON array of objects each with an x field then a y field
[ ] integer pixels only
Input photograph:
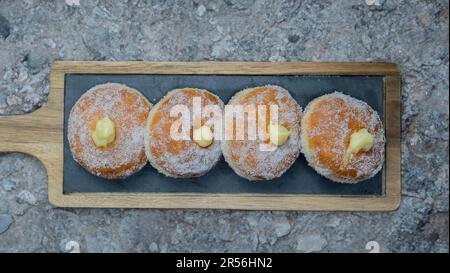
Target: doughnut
[
  {"x": 245, "y": 156},
  {"x": 330, "y": 125},
  {"x": 124, "y": 107},
  {"x": 181, "y": 158}
]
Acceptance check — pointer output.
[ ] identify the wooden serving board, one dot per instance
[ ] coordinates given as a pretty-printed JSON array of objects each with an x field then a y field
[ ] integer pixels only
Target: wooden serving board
[{"x": 41, "y": 134}]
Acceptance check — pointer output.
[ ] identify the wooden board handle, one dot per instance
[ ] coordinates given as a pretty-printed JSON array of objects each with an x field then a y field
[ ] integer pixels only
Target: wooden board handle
[
  {"x": 17, "y": 133},
  {"x": 33, "y": 133}
]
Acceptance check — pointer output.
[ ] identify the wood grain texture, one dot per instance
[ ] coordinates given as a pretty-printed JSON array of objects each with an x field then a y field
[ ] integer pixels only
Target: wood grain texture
[{"x": 41, "y": 134}]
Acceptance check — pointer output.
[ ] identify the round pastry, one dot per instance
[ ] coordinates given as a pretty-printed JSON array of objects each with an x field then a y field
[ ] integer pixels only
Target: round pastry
[
  {"x": 195, "y": 151},
  {"x": 271, "y": 153},
  {"x": 342, "y": 138},
  {"x": 106, "y": 130}
]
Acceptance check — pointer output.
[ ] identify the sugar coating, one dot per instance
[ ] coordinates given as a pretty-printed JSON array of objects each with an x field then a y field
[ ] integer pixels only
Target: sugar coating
[
  {"x": 245, "y": 157},
  {"x": 337, "y": 112},
  {"x": 126, "y": 155}
]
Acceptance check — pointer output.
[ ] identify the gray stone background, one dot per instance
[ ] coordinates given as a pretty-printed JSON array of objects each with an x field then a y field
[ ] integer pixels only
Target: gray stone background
[{"x": 413, "y": 34}]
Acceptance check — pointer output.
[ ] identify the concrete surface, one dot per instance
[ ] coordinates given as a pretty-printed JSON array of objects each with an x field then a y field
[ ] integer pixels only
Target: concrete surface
[{"x": 413, "y": 34}]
